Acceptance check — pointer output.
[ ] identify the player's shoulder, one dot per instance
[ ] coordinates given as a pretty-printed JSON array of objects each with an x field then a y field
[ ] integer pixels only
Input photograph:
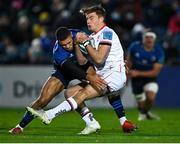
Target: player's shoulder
[
  {"x": 107, "y": 33},
  {"x": 136, "y": 44},
  {"x": 108, "y": 30},
  {"x": 158, "y": 48},
  {"x": 57, "y": 47},
  {"x": 135, "y": 47},
  {"x": 75, "y": 30}
]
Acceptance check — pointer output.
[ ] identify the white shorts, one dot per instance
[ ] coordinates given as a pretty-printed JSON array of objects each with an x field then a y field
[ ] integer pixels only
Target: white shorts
[
  {"x": 152, "y": 86},
  {"x": 115, "y": 80}
]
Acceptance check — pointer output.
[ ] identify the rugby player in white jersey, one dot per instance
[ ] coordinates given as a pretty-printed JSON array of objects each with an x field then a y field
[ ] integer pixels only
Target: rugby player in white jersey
[{"x": 105, "y": 52}]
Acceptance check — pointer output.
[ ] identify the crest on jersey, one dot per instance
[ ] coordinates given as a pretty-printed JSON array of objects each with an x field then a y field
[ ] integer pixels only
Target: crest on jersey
[
  {"x": 107, "y": 35},
  {"x": 153, "y": 58},
  {"x": 137, "y": 54}
]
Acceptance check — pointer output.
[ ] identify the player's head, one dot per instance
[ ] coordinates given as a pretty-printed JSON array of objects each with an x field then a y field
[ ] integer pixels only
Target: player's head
[
  {"x": 95, "y": 17},
  {"x": 149, "y": 39},
  {"x": 64, "y": 37}
]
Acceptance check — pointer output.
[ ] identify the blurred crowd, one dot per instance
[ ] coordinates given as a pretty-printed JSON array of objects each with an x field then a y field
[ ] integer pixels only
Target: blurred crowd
[{"x": 27, "y": 26}]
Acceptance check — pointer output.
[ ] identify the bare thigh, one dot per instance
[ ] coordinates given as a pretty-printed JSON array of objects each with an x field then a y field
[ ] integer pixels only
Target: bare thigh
[
  {"x": 50, "y": 89},
  {"x": 72, "y": 91},
  {"x": 85, "y": 94}
]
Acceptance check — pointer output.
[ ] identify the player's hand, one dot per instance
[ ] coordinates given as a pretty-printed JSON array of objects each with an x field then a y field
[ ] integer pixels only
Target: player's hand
[
  {"x": 81, "y": 37},
  {"x": 96, "y": 81},
  {"x": 134, "y": 73},
  {"x": 126, "y": 67}
]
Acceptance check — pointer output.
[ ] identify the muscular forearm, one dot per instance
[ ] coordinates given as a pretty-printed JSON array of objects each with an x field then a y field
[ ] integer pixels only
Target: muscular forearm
[
  {"x": 94, "y": 54},
  {"x": 80, "y": 58},
  {"x": 150, "y": 73}
]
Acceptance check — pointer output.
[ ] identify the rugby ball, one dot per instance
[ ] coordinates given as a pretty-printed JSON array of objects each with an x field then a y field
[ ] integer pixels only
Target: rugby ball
[{"x": 83, "y": 49}]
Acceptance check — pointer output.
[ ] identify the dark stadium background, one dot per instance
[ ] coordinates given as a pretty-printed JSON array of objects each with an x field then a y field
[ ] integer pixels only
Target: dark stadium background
[
  {"x": 27, "y": 32},
  {"x": 24, "y": 22},
  {"x": 26, "y": 39}
]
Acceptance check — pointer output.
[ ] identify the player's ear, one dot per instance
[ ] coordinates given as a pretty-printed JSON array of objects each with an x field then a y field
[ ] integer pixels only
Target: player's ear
[{"x": 101, "y": 18}]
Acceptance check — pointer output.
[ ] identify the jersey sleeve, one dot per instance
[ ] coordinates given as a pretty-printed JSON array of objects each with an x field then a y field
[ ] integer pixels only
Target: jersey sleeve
[
  {"x": 160, "y": 55},
  {"x": 59, "y": 54},
  {"x": 74, "y": 32},
  {"x": 106, "y": 38},
  {"x": 131, "y": 48}
]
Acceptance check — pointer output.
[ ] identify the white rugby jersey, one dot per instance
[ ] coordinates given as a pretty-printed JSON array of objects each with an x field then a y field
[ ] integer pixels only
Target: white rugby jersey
[{"x": 115, "y": 59}]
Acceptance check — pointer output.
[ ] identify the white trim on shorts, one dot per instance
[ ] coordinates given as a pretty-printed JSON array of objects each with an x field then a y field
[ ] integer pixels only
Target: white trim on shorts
[{"x": 152, "y": 86}]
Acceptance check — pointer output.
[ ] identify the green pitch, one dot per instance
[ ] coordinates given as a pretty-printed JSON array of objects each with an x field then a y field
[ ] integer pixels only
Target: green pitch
[{"x": 64, "y": 128}]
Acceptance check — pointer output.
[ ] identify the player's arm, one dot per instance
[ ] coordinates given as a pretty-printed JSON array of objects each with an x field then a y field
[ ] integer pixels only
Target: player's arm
[
  {"x": 151, "y": 73},
  {"x": 70, "y": 68},
  {"x": 95, "y": 80},
  {"x": 99, "y": 56},
  {"x": 80, "y": 57},
  {"x": 129, "y": 61},
  {"x": 157, "y": 66},
  {"x": 137, "y": 73}
]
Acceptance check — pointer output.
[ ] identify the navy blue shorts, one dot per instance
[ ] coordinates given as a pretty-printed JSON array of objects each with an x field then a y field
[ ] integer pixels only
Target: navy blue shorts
[
  {"x": 62, "y": 77},
  {"x": 139, "y": 83}
]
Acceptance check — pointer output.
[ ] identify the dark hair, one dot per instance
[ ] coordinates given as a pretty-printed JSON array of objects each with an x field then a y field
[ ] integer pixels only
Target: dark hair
[
  {"x": 100, "y": 11},
  {"x": 62, "y": 33}
]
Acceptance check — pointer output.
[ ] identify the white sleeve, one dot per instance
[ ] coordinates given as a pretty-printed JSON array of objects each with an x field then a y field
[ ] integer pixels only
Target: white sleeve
[{"x": 106, "y": 38}]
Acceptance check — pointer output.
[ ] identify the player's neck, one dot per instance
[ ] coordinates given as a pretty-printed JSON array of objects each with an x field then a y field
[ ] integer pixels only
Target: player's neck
[
  {"x": 100, "y": 28},
  {"x": 148, "y": 48}
]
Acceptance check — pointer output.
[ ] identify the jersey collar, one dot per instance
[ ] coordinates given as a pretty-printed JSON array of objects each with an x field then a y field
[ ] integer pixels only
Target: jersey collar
[{"x": 99, "y": 29}]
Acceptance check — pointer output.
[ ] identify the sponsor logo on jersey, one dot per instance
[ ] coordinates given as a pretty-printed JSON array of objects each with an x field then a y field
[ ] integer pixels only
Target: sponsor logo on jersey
[{"x": 107, "y": 35}]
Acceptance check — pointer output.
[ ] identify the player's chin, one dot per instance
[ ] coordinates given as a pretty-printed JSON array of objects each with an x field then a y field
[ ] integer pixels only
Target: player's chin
[
  {"x": 90, "y": 28},
  {"x": 70, "y": 49}
]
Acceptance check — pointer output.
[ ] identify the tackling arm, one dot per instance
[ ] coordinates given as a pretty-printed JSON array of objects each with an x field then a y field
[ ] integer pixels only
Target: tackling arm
[
  {"x": 98, "y": 55},
  {"x": 80, "y": 57}
]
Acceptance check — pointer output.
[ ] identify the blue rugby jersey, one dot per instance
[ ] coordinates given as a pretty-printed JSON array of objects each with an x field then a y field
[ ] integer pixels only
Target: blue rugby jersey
[
  {"x": 144, "y": 60},
  {"x": 60, "y": 55}
]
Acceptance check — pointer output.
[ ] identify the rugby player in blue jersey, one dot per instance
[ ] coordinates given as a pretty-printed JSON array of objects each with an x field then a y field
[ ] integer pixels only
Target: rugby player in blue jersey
[
  {"x": 66, "y": 68},
  {"x": 104, "y": 50},
  {"x": 145, "y": 60}
]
